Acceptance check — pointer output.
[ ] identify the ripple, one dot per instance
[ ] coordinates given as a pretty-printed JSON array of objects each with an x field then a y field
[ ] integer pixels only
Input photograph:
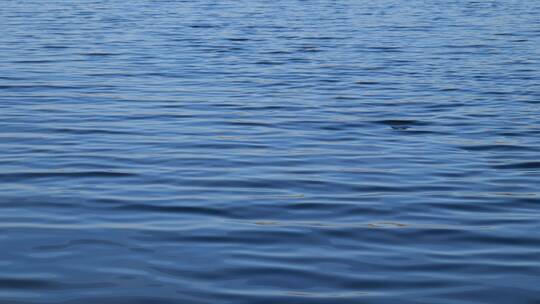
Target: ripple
[
  {"x": 17, "y": 176},
  {"x": 497, "y": 147},
  {"x": 519, "y": 165}
]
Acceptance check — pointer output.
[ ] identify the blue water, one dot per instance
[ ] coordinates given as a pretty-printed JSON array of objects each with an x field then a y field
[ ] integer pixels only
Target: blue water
[{"x": 254, "y": 151}]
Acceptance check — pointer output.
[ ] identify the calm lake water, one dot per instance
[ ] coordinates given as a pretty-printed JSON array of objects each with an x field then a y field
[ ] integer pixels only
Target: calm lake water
[{"x": 254, "y": 151}]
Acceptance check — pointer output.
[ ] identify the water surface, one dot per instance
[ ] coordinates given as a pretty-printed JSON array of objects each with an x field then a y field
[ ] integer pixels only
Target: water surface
[{"x": 258, "y": 151}]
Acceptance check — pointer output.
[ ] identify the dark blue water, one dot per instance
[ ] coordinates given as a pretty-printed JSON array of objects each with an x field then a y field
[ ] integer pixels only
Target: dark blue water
[{"x": 254, "y": 151}]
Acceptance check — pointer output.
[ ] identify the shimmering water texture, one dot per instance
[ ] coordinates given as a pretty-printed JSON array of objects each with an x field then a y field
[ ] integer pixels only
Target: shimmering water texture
[{"x": 254, "y": 151}]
